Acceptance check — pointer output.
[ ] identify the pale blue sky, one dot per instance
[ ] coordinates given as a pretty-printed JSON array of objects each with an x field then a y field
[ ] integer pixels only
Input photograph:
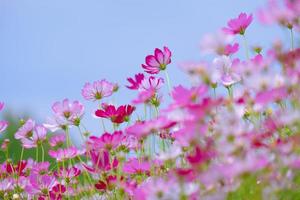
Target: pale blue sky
[{"x": 50, "y": 48}]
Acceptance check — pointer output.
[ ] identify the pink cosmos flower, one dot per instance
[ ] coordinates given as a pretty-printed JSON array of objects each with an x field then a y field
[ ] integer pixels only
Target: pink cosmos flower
[
  {"x": 98, "y": 90},
  {"x": 40, "y": 185},
  {"x": 68, "y": 174},
  {"x": 6, "y": 184},
  {"x": 65, "y": 113},
  {"x": 183, "y": 96},
  {"x": 135, "y": 166},
  {"x": 57, "y": 191},
  {"x": 116, "y": 115},
  {"x": 238, "y": 25},
  {"x": 107, "y": 141},
  {"x": 215, "y": 43},
  {"x": 151, "y": 83},
  {"x": 101, "y": 161},
  {"x": 107, "y": 184},
  {"x": 145, "y": 96},
  {"x": 64, "y": 154},
  {"x": 40, "y": 168},
  {"x": 274, "y": 13},
  {"x": 135, "y": 84},
  {"x": 142, "y": 129},
  {"x": 57, "y": 140},
  {"x": 271, "y": 95},
  {"x": 38, "y": 136},
  {"x": 3, "y": 126},
  {"x": 231, "y": 49},
  {"x": 25, "y": 130},
  {"x": 227, "y": 72},
  {"x": 157, "y": 62}
]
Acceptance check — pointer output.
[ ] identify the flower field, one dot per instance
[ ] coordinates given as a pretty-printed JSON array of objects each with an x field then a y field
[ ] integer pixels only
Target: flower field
[{"x": 234, "y": 133}]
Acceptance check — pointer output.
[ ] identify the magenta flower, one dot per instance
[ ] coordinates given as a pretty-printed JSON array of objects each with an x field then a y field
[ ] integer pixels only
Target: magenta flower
[
  {"x": 107, "y": 141},
  {"x": 26, "y": 130},
  {"x": 64, "y": 154},
  {"x": 116, "y": 115},
  {"x": 135, "y": 166},
  {"x": 157, "y": 62},
  {"x": 98, "y": 90},
  {"x": 135, "y": 83},
  {"x": 238, "y": 25},
  {"x": 68, "y": 174},
  {"x": 57, "y": 140},
  {"x": 183, "y": 96},
  {"x": 57, "y": 191},
  {"x": 231, "y": 49},
  {"x": 101, "y": 161},
  {"x": 38, "y": 136}
]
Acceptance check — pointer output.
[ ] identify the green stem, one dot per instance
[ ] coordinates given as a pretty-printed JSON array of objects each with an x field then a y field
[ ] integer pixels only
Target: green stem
[
  {"x": 43, "y": 153},
  {"x": 37, "y": 154},
  {"x": 246, "y": 46}
]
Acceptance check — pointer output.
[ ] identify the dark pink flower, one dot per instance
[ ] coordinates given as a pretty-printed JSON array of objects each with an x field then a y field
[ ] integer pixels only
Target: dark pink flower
[
  {"x": 107, "y": 141},
  {"x": 98, "y": 90},
  {"x": 116, "y": 115},
  {"x": 135, "y": 84},
  {"x": 57, "y": 191},
  {"x": 157, "y": 62},
  {"x": 238, "y": 25}
]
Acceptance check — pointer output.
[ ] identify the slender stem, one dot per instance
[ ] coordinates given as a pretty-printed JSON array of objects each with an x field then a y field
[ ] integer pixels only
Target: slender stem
[
  {"x": 37, "y": 154},
  {"x": 246, "y": 46},
  {"x": 292, "y": 39},
  {"x": 103, "y": 125},
  {"x": 43, "y": 153},
  {"x": 22, "y": 153},
  {"x": 68, "y": 138},
  {"x": 168, "y": 81},
  {"x": 145, "y": 111}
]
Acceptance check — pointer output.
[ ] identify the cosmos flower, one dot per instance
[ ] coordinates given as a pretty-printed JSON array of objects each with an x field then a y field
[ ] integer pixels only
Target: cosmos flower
[
  {"x": 157, "y": 62},
  {"x": 38, "y": 137},
  {"x": 98, "y": 90},
  {"x": 25, "y": 130},
  {"x": 57, "y": 140},
  {"x": 136, "y": 81},
  {"x": 238, "y": 25},
  {"x": 116, "y": 115}
]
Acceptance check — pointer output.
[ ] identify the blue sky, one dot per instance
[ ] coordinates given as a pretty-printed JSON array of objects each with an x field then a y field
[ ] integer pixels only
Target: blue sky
[{"x": 49, "y": 49}]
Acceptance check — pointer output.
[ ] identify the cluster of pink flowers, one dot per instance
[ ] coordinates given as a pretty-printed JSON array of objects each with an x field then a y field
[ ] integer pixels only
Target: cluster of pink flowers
[{"x": 233, "y": 135}]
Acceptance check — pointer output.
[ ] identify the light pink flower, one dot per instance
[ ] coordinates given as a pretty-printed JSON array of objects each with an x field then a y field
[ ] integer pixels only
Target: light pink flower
[
  {"x": 98, "y": 90},
  {"x": 101, "y": 161},
  {"x": 57, "y": 140},
  {"x": 64, "y": 154},
  {"x": 3, "y": 126},
  {"x": 135, "y": 166},
  {"x": 1, "y": 105},
  {"x": 157, "y": 62},
  {"x": 238, "y": 25},
  {"x": 142, "y": 129},
  {"x": 65, "y": 113},
  {"x": 215, "y": 43},
  {"x": 68, "y": 174},
  {"x": 151, "y": 83},
  {"x": 40, "y": 184},
  {"x": 135, "y": 84},
  {"x": 183, "y": 96},
  {"x": 38, "y": 136},
  {"x": 25, "y": 130},
  {"x": 226, "y": 72}
]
